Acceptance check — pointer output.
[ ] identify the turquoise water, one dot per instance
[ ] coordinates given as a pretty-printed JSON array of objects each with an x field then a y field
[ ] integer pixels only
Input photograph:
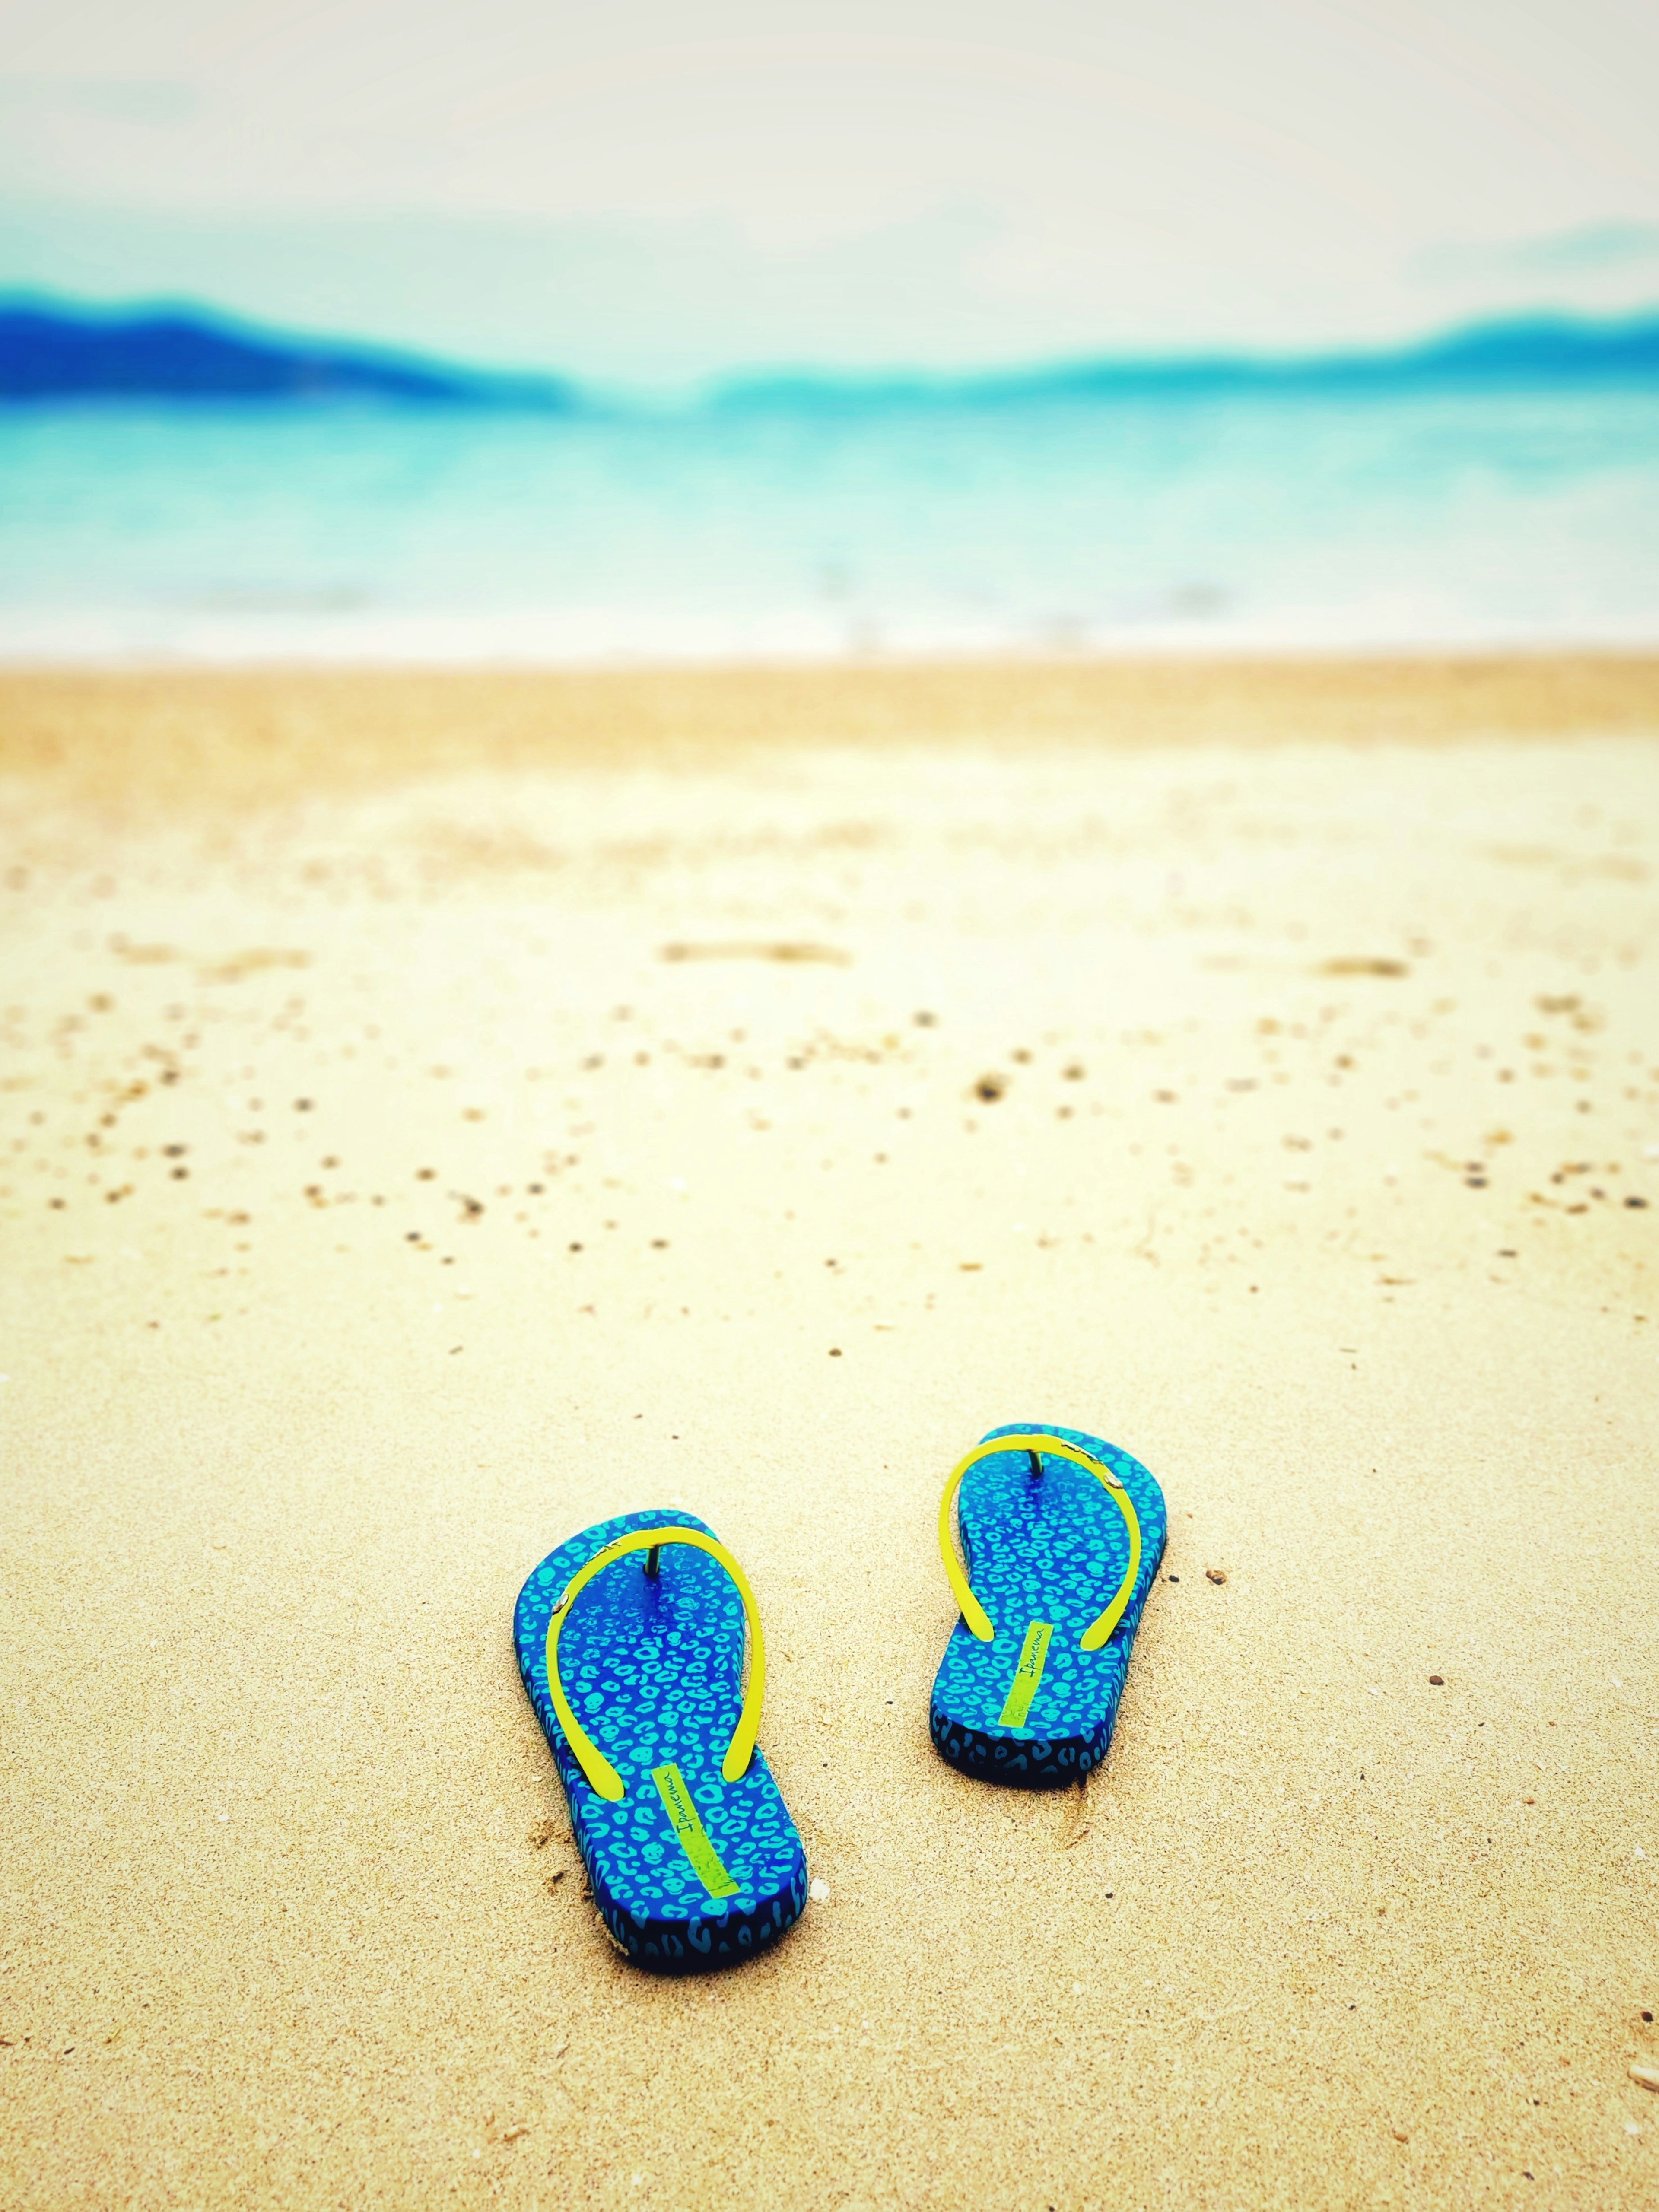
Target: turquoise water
[{"x": 1083, "y": 523}]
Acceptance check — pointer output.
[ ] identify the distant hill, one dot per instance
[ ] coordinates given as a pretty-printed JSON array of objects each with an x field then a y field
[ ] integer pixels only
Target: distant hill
[
  {"x": 49, "y": 353},
  {"x": 1540, "y": 352}
]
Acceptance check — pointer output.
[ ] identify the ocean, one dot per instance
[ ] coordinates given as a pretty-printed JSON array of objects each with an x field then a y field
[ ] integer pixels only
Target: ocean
[{"x": 795, "y": 528}]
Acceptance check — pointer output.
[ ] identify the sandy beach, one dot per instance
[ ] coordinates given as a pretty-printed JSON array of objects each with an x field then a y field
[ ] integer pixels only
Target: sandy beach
[{"x": 442, "y": 1111}]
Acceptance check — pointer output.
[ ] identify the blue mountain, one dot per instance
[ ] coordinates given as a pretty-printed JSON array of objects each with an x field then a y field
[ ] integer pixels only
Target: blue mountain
[
  {"x": 1539, "y": 351},
  {"x": 50, "y": 353}
]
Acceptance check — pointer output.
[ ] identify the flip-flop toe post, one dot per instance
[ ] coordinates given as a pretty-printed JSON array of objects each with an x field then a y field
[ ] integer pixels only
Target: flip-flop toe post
[
  {"x": 1062, "y": 1535},
  {"x": 630, "y": 1640}
]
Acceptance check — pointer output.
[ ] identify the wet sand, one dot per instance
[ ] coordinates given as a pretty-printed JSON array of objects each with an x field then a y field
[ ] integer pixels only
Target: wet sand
[{"x": 440, "y": 1112}]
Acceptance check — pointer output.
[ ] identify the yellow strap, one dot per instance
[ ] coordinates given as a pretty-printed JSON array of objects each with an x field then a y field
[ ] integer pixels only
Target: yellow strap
[
  {"x": 978, "y": 1620},
  {"x": 592, "y": 1761}
]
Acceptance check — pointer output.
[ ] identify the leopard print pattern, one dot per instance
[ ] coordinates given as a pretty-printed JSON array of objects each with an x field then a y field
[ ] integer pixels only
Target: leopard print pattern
[
  {"x": 1051, "y": 1548},
  {"x": 653, "y": 1668}
]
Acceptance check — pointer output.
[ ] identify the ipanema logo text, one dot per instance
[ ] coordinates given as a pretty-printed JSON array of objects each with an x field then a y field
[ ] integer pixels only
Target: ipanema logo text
[
  {"x": 689, "y": 1832},
  {"x": 1033, "y": 1657}
]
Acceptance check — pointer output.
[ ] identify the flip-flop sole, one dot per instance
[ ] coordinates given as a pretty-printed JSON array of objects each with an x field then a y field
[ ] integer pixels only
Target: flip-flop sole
[
  {"x": 689, "y": 1872},
  {"x": 1044, "y": 1556}
]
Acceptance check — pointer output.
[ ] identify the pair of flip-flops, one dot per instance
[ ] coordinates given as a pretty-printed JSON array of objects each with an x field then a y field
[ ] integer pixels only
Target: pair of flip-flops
[{"x": 631, "y": 1637}]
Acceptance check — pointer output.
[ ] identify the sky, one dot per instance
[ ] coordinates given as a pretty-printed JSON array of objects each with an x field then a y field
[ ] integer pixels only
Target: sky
[{"x": 653, "y": 196}]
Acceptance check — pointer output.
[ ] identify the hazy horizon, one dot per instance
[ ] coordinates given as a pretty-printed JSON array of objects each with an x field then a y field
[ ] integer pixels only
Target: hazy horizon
[
  {"x": 1520, "y": 331},
  {"x": 921, "y": 185},
  {"x": 653, "y": 210}
]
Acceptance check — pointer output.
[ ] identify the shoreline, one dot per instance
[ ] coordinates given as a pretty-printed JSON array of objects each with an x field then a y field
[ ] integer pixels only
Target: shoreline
[{"x": 102, "y": 734}]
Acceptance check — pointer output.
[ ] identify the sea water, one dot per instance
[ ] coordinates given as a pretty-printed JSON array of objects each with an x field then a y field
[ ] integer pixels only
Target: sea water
[{"x": 1065, "y": 523}]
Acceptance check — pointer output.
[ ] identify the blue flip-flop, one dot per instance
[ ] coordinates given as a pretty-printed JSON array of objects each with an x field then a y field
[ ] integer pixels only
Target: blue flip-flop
[
  {"x": 630, "y": 1642},
  {"x": 1062, "y": 1534}
]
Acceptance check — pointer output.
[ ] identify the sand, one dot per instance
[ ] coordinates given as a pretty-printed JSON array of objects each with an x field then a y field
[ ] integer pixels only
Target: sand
[{"x": 440, "y": 1112}]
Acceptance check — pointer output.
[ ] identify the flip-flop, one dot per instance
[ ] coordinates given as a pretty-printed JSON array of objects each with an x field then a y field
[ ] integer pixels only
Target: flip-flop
[
  {"x": 1062, "y": 1535},
  {"x": 637, "y": 1626}
]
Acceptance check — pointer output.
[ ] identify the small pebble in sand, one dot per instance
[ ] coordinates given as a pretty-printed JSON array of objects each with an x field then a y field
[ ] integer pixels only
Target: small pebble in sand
[
  {"x": 1215, "y": 1574},
  {"x": 1399, "y": 2136},
  {"x": 819, "y": 1891},
  {"x": 1646, "y": 2074},
  {"x": 1438, "y": 1681}
]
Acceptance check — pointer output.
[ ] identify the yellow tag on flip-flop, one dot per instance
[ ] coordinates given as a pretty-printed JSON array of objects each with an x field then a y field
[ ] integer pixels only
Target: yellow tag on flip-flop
[
  {"x": 689, "y": 1832},
  {"x": 1033, "y": 1658}
]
